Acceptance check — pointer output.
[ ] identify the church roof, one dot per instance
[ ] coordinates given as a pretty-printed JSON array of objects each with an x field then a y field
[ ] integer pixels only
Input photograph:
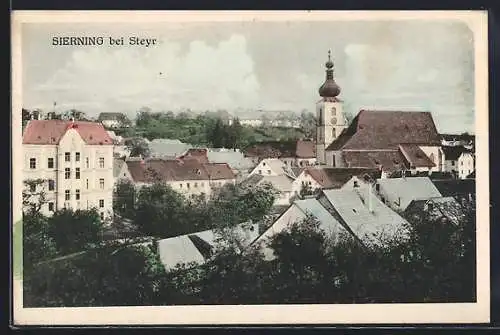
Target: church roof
[{"x": 377, "y": 129}]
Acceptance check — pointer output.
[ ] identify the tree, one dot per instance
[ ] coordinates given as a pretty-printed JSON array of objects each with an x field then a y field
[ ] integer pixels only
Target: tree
[
  {"x": 138, "y": 148},
  {"x": 234, "y": 133},
  {"x": 308, "y": 124},
  {"x": 160, "y": 211},
  {"x": 217, "y": 135},
  {"x": 34, "y": 195},
  {"x": 75, "y": 115},
  {"x": 124, "y": 198},
  {"x": 73, "y": 231},
  {"x": 37, "y": 244}
]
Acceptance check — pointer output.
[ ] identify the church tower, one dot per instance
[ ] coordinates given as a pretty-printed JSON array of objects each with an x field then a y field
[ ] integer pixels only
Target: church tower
[{"x": 330, "y": 117}]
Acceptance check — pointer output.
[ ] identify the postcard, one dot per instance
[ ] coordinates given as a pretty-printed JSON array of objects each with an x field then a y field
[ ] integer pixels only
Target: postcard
[{"x": 246, "y": 168}]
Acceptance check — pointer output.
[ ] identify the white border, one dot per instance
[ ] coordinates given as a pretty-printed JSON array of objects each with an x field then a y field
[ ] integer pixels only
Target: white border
[{"x": 269, "y": 314}]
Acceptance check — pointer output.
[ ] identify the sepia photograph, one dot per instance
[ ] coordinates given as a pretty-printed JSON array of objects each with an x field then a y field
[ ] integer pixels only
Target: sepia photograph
[{"x": 250, "y": 167}]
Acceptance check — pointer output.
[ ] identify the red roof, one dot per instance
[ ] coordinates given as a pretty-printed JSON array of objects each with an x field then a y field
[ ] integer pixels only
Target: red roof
[
  {"x": 50, "y": 132},
  {"x": 385, "y": 160},
  {"x": 386, "y": 130},
  {"x": 337, "y": 177},
  {"x": 177, "y": 170},
  {"x": 415, "y": 156}
]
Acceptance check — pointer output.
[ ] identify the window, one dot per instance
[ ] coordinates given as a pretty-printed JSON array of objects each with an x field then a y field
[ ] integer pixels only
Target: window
[
  {"x": 101, "y": 215},
  {"x": 77, "y": 194},
  {"x": 52, "y": 185},
  {"x": 260, "y": 171},
  {"x": 50, "y": 163},
  {"x": 334, "y": 133},
  {"x": 67, "y": 173},
  {"x": 462, "y": 163},
  {"x": 77, "y": 173},
  {"x": 77, "y": 156},
  {"x": 101, "y": 183},
  {"x": 67, "y": 156},
  {"x": 195, "y": 185},
  {"x": 356, "y": 184},
  {"x": 67, "y": 195},
  {"x": 452, "y": 163},
  {"x": 32, "y": 163},
  {"x": 87, "y": 162},
  {"x": 187, "y": 185},
  {"x": 101, "y": 203},
  {"x": 87, "y": 183},
  {"x": 268, "y": 171},
  {"x": 377, "y": 187},
  {"x": 101, "y": 162},
  {"x": 180, "y": 185},
  {"x": 32, "y": 188},
  {"x": 51, "y": 206}
]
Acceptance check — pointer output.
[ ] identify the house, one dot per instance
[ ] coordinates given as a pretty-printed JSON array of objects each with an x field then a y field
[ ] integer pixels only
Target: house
[
  {"x": 198, "y": 248},
  {"x": 272, "y": 167},
  {"x": 113, "y": 120},
  {"x": 283, "y": 184},
  {"x": 444, "y": 209},
  {"x": 189, "y": 177},
  {"x": 398, "y": 193},
  {"x": 367, "y": 218},
  {"x": 120, "y": 170},
  {"x": 296, "y": 153},
  {"x": 296, "y": 213},
  {"x": 161, "y": 148},
  {"x": 459, "y": 160},
  {"x": 240, "y": 164},
  {"x": 320, "y": 177},
  {"x": 388, "y": 140},
  {"x": 76, "y": 161},
  {"x": 465, "y": 139}
]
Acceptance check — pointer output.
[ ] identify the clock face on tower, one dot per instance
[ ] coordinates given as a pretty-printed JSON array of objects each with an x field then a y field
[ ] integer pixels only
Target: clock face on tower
[{"x": 334, "y": 120}]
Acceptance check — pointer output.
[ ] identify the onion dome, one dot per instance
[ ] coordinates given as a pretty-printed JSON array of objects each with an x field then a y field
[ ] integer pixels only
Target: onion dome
[{"x": 329, "y": 89}]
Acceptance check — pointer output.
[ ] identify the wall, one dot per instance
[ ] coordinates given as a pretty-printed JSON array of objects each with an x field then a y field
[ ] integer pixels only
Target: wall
[
  {"x": 264, "y": 169},
  {"x": 438, "y": 154},
  {"x": 465, "y": 165}
]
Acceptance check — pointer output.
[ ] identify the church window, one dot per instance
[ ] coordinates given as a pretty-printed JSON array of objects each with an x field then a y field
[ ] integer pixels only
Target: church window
[
  {"x": 334, "y": 111},
  {"x": 334, "y": 133}
]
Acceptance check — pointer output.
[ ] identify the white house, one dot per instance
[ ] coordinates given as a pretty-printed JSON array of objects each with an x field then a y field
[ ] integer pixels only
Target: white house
[
  {"x": 398, "y": 193},
  {"x": 459, "y": 160},
  {"x": 281, "y": 183},
  {"x": 76, "y": 161},
  {"x": 189, "y": 177},
  {"x": 271, "y": 167}
]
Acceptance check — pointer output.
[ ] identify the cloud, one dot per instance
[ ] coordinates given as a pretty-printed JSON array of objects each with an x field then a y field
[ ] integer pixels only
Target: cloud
[{"x": 205, "y": 77}]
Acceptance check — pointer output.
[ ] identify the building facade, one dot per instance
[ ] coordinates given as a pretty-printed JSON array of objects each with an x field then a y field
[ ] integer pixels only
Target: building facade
[{"x": 75, "y": 162}]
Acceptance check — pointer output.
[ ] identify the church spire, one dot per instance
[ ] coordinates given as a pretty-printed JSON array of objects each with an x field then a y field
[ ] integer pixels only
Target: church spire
[{"x": 329, "y": 89}]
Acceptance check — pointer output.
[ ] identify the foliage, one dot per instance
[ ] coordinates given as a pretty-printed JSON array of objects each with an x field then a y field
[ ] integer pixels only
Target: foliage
[
  {"x": 138, "y": 147},
  {"x": 74, "y": 231},
  {"x": 34, "y": 196},
  {"x": 37, "y": 244},
  {"x": 124, "y": 198}
]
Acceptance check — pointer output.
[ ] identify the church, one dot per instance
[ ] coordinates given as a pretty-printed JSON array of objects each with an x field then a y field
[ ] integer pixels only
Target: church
[{"x": 392, "y": 141}]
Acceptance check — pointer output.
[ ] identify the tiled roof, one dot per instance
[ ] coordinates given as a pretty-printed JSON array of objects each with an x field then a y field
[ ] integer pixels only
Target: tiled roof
[
  {"x": 451, "y": 153},
  {"x": 415, "y": 156},
  {"x": 219, "y": 171},
  {"x": 177, "y": 170},
  {"x": 454, "y": 187},
  {"x": 408, "y": 189},
  {"x": 437, "y": 208},
  {"x": 281, "y": 149},
  {"x": 337, "y": 177},
  {"x": 50, "y": 132},
  {"x": 281, "y": 183},
  {"x": 353, "y": 207},
  {"x": 386, "y": 130},
  {"x": 386, "y": 160}
]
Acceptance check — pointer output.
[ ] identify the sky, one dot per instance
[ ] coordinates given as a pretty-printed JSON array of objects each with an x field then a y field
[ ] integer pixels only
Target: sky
[{"x": 406, "y": 65}]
